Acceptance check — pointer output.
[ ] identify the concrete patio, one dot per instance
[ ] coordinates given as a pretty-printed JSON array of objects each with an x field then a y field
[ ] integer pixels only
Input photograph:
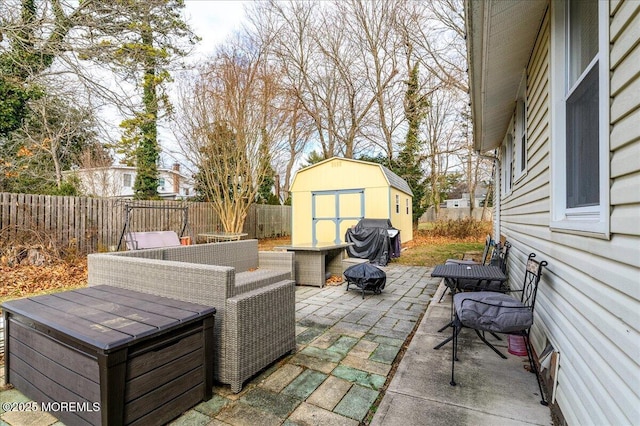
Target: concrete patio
[{"x": 346, "y": 347}]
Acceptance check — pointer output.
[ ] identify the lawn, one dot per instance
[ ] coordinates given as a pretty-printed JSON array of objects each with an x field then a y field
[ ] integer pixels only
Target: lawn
[
  {"x": 423, "y": 250},
  {"x": 427, "y": 250}
]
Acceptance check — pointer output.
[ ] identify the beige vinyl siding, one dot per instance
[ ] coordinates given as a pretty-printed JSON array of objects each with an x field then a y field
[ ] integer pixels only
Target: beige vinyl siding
[
  {"x": 589, "y": 299},
  {"x": 625, "y": 118}
]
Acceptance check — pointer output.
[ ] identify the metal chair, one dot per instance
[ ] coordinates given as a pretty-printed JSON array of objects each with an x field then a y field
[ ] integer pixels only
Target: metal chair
[
  {"x": 499, "y": 258},
  {"x": 486, "y": 254},
  {"x": 496, "y": 312},
  {"x": 501, "y": 255}
]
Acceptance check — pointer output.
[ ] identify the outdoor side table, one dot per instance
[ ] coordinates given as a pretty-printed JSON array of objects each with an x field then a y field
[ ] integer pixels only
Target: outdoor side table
[
  {"x": 120, "y": 356},
  {"x": 218, "y": 237},
  {"x": 314, "y": 262}
]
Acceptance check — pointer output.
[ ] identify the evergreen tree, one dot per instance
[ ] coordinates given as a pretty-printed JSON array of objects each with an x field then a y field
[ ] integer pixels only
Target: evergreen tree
[
  {"x": 408, "y": 163},
  {"x": 140, "y": 40}
]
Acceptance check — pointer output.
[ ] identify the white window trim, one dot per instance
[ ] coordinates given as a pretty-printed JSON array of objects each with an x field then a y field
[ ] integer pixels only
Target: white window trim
[
  {"x": 506, "y": 161},
  {"x": 520, "y": 169},
  {"x": 595, "y": 220},
  {"x": 124, "y": 178}
]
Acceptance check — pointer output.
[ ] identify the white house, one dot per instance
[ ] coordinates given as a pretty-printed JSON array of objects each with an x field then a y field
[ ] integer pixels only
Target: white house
[
  {"x": 464, "y": 202},
  {"x": 118, "y": 180},
  {"x": 555, "y": 94}
]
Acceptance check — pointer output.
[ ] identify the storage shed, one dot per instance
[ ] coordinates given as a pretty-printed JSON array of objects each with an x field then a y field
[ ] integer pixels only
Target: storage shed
[{"x": 331, "y": 196}]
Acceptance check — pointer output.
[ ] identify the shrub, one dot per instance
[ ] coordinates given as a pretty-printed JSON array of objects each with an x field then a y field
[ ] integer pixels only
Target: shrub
[{"x": 461, "y": 228}]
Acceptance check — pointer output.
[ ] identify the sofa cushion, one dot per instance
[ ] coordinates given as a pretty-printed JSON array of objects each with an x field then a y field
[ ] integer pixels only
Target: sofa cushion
[
  {"x": 153, "y": 239},
  {"x": 491, "y": 311},
  {"x": 260, "y": 277}
]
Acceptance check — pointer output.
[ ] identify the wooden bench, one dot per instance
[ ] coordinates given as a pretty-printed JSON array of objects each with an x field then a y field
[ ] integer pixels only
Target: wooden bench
[{"x": 121, "y": 356}]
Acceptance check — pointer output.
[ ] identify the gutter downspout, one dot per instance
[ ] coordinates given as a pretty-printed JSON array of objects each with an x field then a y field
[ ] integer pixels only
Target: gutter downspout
[{"x": 496, "y": 193}]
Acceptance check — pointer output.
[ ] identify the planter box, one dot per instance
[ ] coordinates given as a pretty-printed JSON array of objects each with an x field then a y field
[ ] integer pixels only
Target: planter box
[{"x": 110, "y": 356}]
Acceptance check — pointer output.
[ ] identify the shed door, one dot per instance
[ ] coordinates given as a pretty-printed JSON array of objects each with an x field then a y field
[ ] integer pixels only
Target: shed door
[{"x": 333, "y": 212}]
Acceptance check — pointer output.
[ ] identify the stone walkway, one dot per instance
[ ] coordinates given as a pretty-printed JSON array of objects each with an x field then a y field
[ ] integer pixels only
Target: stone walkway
[{"x": 345, "y": 350}]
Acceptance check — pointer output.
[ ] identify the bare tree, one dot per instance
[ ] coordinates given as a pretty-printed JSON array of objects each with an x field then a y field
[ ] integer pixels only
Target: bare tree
[
  {"x": 50, "y": 140},
  {"x": 228, "y": 121},
  {"x": 340, "y": 60},
  {"x": 440, "y": 39},
  {"x": 288, "y": 151},
  {"x": 376, "y": 40},
  {"x": 98, "y": 179},
  {"x": 53, "y": 131},
  {"x": 443, "y": 142}
]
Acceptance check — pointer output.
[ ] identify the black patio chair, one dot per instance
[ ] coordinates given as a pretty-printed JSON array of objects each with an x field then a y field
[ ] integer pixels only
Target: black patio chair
[
  {"x": 499, "y": 258},
  {"x": 501, "y": 255},
  {"x": 494, "y": 312},
  {"x": 487, "y": 254}
]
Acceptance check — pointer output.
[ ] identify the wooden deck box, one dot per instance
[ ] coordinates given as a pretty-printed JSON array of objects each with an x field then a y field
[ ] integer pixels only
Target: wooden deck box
[{"x": 110, "y": 356}]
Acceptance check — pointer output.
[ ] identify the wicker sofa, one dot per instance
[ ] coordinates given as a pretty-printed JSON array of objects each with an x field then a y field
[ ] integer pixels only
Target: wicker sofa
[{"x": 253, "y": 293}]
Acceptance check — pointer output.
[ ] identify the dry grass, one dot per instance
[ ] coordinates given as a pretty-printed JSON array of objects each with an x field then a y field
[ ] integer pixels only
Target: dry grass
[
  {"x": 30, "y": 280},
  {"x": 442, "y": 240},
  {"x": 424, "y": 250},
  {"x": 268, "y": 244},
  {"x": 427, "y": 250}
]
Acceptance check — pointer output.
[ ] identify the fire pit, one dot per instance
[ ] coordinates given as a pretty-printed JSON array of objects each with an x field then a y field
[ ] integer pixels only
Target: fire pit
[{"x": 366, "y": 277}]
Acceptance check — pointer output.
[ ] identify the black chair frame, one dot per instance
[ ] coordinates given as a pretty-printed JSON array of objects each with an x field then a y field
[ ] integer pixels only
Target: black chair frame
[
  {"x": 487, "y": 254},
  {"x": 529, "y": 291}
]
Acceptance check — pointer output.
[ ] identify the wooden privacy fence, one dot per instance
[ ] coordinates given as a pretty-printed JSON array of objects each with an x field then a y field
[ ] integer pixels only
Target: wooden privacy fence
[{"x": 96, "y": 224}]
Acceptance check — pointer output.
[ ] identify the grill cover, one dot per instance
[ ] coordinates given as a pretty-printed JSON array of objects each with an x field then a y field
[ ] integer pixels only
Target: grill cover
[
  {"x": 373, "y": 239},
  {"x": 366, "y": 277}
]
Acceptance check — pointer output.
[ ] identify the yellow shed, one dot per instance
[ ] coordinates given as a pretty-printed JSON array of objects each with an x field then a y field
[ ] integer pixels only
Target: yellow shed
[{"x": 331, "y": 196}]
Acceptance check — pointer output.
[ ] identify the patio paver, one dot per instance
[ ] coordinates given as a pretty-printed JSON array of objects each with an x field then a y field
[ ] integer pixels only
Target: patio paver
[{"x": 345, "y": 348}]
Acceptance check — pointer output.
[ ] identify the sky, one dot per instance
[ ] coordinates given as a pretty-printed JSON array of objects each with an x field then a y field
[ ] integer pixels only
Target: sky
[{"x": 213, "y": 21}]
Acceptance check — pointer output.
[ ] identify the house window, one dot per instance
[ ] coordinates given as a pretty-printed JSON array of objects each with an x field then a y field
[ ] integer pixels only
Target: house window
[
  {"x": 580, "y": 117},
  {"x": 407, "y": 204},
  {"x": 397, "y": 203},
  {"x": 520, "y": 143},
  {"x": 507, "y": 164},
  {"x": 161, "y": 183},
  {"x": 126, "y": 180}
]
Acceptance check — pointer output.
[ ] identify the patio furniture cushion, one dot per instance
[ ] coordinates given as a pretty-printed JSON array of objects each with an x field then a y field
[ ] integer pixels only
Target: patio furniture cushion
[
  {"x": 153, "y": 239},
  {"x": 491, "y": 311}
]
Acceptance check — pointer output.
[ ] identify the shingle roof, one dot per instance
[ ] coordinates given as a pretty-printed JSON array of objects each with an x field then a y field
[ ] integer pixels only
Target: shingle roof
[{"x": 396, "y": 181}]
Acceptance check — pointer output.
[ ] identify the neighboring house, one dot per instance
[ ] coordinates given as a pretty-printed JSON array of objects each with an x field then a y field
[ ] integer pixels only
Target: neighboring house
[
  {"x": 333, "y": 195},
  {"x": 555, "y": 91},
  {"x": 117, "y": 182},
  {"x": 463, "y": 203}
]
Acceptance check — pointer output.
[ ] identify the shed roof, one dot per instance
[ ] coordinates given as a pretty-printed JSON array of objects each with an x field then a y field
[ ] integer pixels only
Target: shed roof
[
  {"x": 396, "y": 181},
  {"x": 393, "y": 179}
]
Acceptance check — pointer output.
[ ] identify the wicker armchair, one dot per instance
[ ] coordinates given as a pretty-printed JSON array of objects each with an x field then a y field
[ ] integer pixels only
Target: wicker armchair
[{"x": 253, "y": 293}]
